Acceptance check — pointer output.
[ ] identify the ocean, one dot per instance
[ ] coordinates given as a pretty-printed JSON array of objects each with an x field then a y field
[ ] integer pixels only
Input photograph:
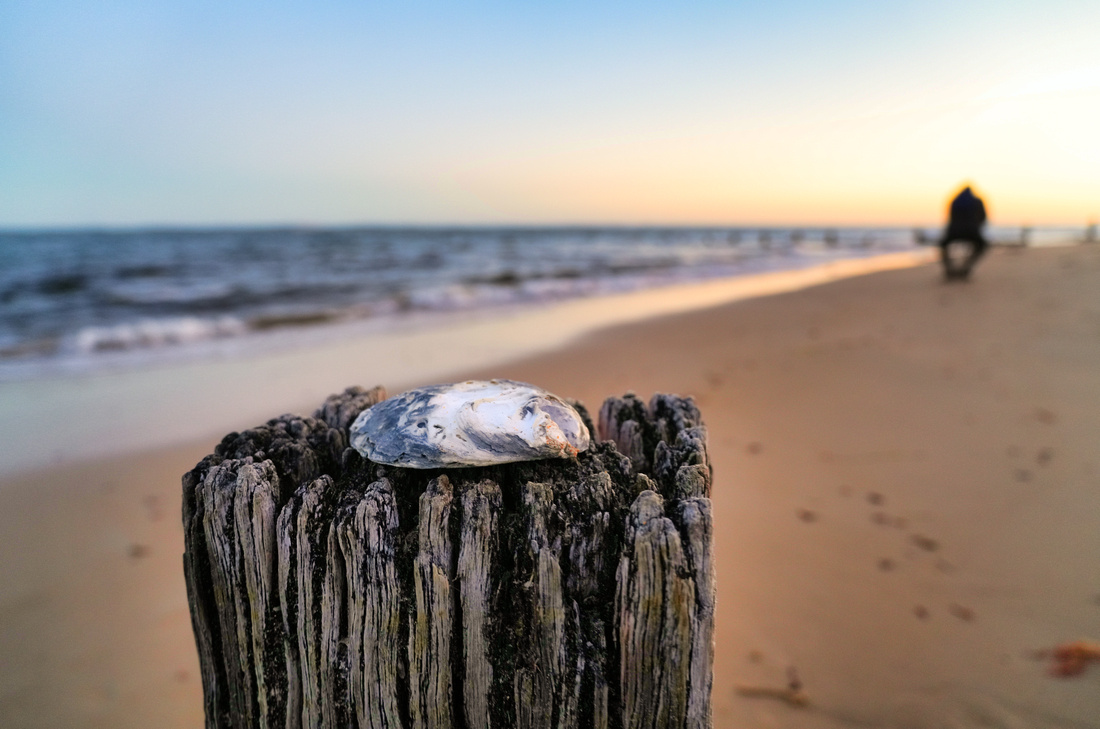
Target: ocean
[{"x": 74, "y": 301}]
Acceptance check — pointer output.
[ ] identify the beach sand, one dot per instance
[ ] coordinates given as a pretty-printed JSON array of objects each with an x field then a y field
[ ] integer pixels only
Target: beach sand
[{"x": 906, "y": 508}]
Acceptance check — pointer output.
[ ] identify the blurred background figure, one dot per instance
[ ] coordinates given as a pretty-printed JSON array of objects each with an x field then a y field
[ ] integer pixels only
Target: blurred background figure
[{"x": 963, "y": 243}]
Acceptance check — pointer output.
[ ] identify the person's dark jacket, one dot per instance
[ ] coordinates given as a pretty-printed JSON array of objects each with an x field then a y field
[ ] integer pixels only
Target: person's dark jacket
[{"x": 967, "y": 214}]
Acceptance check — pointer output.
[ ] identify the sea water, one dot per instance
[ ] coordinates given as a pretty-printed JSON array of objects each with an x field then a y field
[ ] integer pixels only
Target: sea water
[{"x": 78, "y": 300}]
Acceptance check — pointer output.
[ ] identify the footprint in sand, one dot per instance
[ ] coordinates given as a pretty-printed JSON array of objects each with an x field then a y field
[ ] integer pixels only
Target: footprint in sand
[
  {"x": 883, "y": 519},
  {"x": 1046, "y": 416},
  {"x": 962, "y": 612},
  {"x": 1044, "y": 456},
  {"x": 926, "y": 543},
  {"x": 153, "y": 507}
]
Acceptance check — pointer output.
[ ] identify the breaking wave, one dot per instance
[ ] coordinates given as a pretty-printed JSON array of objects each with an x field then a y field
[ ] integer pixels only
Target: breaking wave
[{"x": 149, "y": 333}]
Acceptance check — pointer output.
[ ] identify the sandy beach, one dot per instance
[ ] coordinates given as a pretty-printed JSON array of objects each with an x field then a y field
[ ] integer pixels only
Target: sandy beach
[{"x": 905, "y": 493}]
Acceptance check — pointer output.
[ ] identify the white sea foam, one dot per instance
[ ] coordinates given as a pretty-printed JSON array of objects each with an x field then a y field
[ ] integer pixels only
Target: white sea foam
[{"x": 148, "y": 333}]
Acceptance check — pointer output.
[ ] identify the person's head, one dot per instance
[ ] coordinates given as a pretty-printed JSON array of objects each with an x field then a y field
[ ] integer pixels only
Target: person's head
[{"x": 966, "y": 191}]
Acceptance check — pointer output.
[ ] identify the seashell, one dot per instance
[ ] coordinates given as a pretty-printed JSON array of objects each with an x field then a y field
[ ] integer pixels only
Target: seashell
[{"x": 473, "y": 423}]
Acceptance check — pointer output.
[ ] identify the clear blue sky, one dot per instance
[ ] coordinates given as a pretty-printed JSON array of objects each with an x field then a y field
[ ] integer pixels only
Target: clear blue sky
[{"x": 142, "y": 111}]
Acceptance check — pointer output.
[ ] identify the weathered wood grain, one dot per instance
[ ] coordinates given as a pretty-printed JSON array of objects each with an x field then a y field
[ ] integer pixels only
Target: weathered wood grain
[
  {"x": 329, "y": 591},
  {"x": 367, "y": 526},
  {"x": 481, "y": 503},
  {"x": 693, "y": 518},
  {"x": 432, "y": 623},
  {"x": 654, "y": 604}
]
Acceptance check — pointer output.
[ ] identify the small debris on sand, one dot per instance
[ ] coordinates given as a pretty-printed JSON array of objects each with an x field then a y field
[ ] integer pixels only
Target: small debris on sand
[
  {"x": 138, "y": 551},
  {"x": 1071, "y": 659},
  {"x": 754, "y": 448},
  {"x": 886, "y": 564},
  {"x": 874, "y": 498},
  {"x": 807, "y": 515},
  {"x": 792, "y": 695},
  {"x": 921, "y": 612}
]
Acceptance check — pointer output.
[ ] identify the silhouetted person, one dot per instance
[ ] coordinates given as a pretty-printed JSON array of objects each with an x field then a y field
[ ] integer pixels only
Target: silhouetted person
[{"x": 964, "y": 224}]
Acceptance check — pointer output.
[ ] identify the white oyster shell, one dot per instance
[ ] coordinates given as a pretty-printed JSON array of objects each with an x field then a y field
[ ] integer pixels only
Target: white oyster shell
[{"x": 474, "y": 423}]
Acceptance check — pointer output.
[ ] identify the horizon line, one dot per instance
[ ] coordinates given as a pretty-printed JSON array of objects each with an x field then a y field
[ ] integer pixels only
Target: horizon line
[{"x": 300, "y": 225}]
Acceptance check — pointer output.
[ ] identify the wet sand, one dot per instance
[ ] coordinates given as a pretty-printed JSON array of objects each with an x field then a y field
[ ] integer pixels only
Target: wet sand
[{"x": 906, "y": 502}]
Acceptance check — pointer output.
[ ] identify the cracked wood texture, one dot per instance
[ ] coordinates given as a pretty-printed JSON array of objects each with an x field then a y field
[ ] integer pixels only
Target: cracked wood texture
[{"x": 329, "y": 591}]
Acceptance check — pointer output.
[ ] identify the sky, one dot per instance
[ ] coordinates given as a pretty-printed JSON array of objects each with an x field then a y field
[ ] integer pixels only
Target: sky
[{"x": 149, "y": 112}]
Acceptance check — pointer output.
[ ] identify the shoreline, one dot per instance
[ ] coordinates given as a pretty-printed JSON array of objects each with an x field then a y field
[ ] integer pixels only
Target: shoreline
[{"x": 172, "y": 404}]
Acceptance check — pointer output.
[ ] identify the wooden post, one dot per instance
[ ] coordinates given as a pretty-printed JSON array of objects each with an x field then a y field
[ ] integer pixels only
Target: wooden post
[{"x": 329, "y": 591}]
